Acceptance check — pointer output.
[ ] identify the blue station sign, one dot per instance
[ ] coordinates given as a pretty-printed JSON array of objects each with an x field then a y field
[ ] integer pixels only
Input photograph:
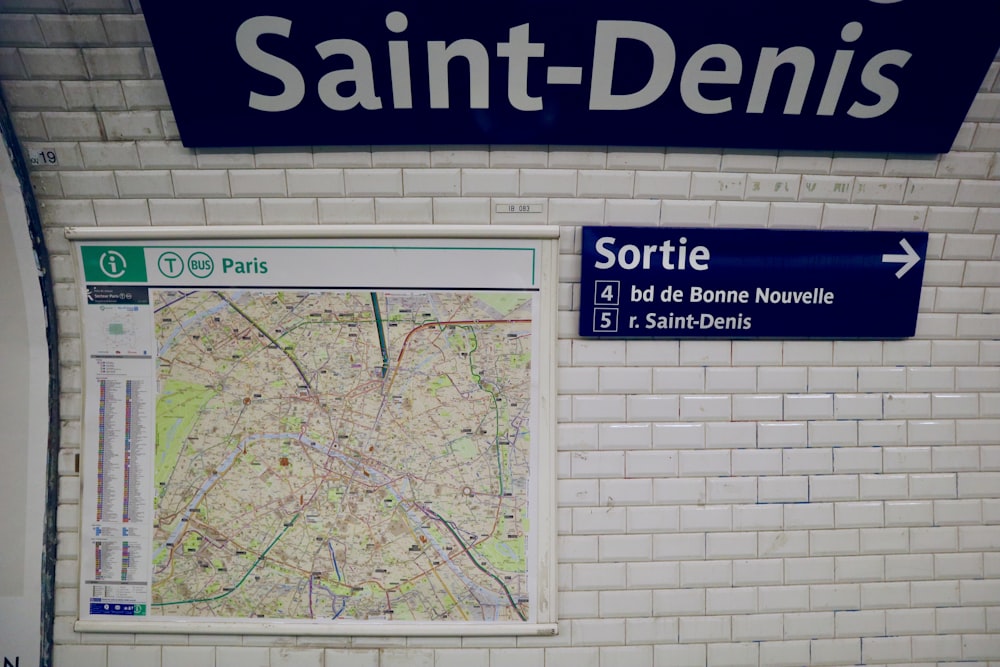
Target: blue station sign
[
  {"x": 641, "y": 282},
  {"x": 858, "y": 75}
]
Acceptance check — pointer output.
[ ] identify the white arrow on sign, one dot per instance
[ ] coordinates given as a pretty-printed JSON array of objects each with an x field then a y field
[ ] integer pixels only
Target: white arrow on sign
[{"x": 908, "y": 260}]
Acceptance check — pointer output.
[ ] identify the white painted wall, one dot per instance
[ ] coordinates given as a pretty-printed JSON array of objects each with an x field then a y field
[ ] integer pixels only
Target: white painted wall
[
  {"x": 720, "y": 503},
  {"x": 24, "y": 436}
]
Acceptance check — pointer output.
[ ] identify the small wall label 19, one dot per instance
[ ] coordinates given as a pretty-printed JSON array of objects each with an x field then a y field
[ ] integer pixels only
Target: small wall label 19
[{"x": 43, "y": 157}]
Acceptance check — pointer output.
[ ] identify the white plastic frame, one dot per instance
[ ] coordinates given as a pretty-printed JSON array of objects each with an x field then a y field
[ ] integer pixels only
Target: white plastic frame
[{"x": 542, "y": 510}]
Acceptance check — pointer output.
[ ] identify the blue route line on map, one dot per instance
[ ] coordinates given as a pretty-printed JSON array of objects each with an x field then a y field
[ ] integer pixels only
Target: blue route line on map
[{"x": 334, "y": 557}]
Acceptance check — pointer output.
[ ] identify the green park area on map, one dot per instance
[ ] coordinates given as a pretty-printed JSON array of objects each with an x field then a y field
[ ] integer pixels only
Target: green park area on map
[{"x": 342, "y": 455}]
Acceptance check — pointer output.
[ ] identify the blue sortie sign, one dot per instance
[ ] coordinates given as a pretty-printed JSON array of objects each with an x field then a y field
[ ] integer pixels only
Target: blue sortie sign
[
  {"x": 641, "y": 282},
  {"x": 862, "y": 75}
]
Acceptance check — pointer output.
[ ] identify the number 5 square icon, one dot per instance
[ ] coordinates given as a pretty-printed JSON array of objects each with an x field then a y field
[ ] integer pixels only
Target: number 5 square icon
[{"x": 606, "y": 320}]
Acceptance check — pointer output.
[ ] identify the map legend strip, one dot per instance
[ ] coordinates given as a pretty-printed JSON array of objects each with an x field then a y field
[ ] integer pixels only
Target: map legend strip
[
  {"x": 127, "y": 465},
  {"x": 101, "y": 445}
]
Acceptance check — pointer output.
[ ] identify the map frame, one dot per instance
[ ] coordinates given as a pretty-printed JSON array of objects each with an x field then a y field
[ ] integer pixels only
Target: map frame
[{"x": 410, "y": 259}]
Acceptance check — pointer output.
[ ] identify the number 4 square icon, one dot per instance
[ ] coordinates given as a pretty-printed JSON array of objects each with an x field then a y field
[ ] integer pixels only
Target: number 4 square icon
[{"x": 606, "y": 292}]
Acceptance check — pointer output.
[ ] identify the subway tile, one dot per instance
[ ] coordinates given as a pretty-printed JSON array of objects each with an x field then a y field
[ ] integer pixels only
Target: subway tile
[
  {"x": 808, "y": 353},
  {"x": 756, "y": 407},
  {"x": 864, "y": 568},
  {"x": 833, "y": 487},
  {"x": 757, "y": 517},
  {"x": 632, "y": 212},
  {"x": 848, "y": 216},
  {"x": 882, "y": 433},
  {"x": 909, "y": 513},
  {"x": 813, "y": 515},
  {"x": 814, "y": 461},
  {"x": 884, "y": 486},
  {"x": 461, "y": 210},
  {"x": 653, "y": 575},
  {"x": 882, "y": 379},
  {"x": 933, "y": 485},
  {"x": 833, "y": 379},
  {"x": 731, "y": 490},
  {"x": 200, "y": 182},
  {"x": 905, "y": 218},
  {"x": 289, "y": 211},
  {"x": 693, "y": 159},
  {"x": 705, "y": 408},
  {"x": 623, "y": 492},
  {"x": 782, "y": 379},
  {"x": 617, "y": 548},
  {"x": 757, "y": 571},
  {"x": 930, "y": 379},
  {"x": 808, "y": 406},
  {"x": 843, "y": 433},
  {"x": 794, "y": 599},
  {"x": 815, "y": 187},
  {"x": 257, "y": 183},
  {"x": 756, "y": 462},
  {"x": 674, "y": 213},
  {"x": 795, "y": 215},
  {"x": 597, "y": 464},
  {"x": 857, "y": 406},
  {"x": 884, "y": 540},
  {"x": 708, "y": 629},
  {"x": 664, "y": 185},
  {"x": 605, "y": 183},
  {"x": 731, "y": 545},
  {"x": 783, "y": 489},
  {"x": 624, "y": 436},
  {"x": 729, "y": 380},
  {"x": 756, "y": 353},
  {"x": 772, "y": 187},
  {"x": 783, "y": 543},
  {"x": 678, "y": 435},
  {"x": 602, "y": 353},
  {"x": 730, "y": 435},
  {"x": 652, "y": 519},
  {"x": 628, "y": 157},
  {"x": 857, "y": 460},
  {"x": 742, "y": 214},
  {"x": 348, "y": 210},
  {"x": 812, "y": 570},
  {"x": 955, "y": 459},
  {"x": 678, "y": 380},
  {"x": 124, "y": 212},
  {"x": 548, "y": 182},
  {"x": 599, "y": 408},
  {"x": 781, "y": 434},
  {"x": 232, "y": 211},
  {"x": 653, "y": 407}
]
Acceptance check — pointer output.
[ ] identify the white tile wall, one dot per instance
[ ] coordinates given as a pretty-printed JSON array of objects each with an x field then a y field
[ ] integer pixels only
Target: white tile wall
[{"x": 746, "y": 503}]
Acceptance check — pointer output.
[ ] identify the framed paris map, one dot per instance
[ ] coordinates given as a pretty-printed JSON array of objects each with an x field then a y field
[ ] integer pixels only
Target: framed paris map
[{"x": 335, "y": 435}]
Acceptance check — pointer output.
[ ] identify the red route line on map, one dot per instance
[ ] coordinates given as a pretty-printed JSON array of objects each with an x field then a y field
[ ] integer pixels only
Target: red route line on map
[{"x": 427, "y": 325}]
